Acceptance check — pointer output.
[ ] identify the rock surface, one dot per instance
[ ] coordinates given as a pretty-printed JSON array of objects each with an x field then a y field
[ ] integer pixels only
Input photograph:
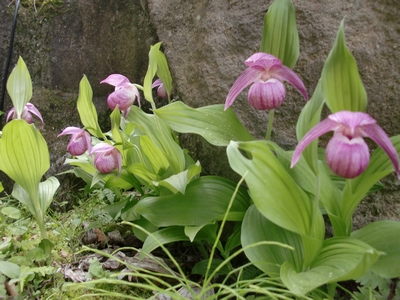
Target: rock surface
[
  {"x": 206, "y": 43},
  {"x": 61, "y": 43}
]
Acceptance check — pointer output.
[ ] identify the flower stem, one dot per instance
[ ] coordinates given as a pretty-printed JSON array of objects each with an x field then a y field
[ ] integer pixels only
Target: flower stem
[{"x": 270, "y": 122}]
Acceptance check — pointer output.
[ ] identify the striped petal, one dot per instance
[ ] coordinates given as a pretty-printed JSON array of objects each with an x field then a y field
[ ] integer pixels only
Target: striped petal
[
  {"x": 318, "y": 130},
  {"x": 284, "y": 73},
  {"x": 379, "y": 136},
  {"x": 249, "y": 76}
]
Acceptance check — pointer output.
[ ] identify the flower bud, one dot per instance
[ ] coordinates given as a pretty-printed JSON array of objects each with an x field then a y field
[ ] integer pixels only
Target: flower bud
[
  {"x": 80, "y": 140},
  {"x": 124, "y": 95},
  {"x": 78, "y": 144},
  {"x": 161, "y": 90},
  {"x": 107, "y": 158}
]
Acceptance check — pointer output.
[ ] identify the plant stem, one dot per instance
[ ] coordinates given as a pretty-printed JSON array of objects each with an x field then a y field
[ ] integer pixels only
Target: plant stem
[
  {"x": 270, "y": 122},
  {"x": 331, "y": 290},
  {"x": 316, "y": 200},
  {"x": 202, "y": 250}
]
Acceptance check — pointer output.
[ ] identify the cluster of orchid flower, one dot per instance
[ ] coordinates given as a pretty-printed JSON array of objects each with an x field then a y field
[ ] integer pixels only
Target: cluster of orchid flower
[
  {"x": 347, "y": 153},
  {"x": 108, "y": 158}
]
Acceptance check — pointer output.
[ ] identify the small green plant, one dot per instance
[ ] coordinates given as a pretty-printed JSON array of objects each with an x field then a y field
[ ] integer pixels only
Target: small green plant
[{"x": 24, "y": 157}]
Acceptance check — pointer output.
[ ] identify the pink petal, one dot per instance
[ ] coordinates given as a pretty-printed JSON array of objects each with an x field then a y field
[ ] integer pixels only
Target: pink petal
[
  {"x": 77, "y": 145},
  {"x": 101, "y": 147},
  {"x": 287, "y": 74},
  {"x": 156, "y": 83},
  {"x": 71, "y": 130},
  {"x": 263, "y": 60},
  {"x": 379, "y": 136},
  {"x": 249, "y": 76},
  {"x": 352, "y": 120},
  {"x": 123, "y": 96},
  {"x": 10, "y": 114},
  {"x": 107, "y": 161},
  {"x": 32, "y": 109},
  {"x": 115, "y": 80},
  {"x": 318, "y": 130}
]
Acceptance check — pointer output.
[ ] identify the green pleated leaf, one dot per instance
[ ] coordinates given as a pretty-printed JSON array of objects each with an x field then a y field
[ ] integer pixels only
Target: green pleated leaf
[
  {"x": 164, "y": 236},
  {"x": 9, "y": 269},
  {"x": 178, "y": 182},
  {"x": 24, "y": 155},
  {"x": 19, "y": 86},
  {"x": 214, "y": 124},
  {"x": 151, "y": 72},
  {"x": 86, "y": 108},
  {"x": 309, "y": 117},
  {"x": 140, "y": 171},
  {"x": 174, "y": 234},
  {"x": 22, "y": 196},
  {"x": 340, "y": 259},
  {"x": 140, "y": 221},
  {"x": 156, "y": 159},
  {"x": 233, "y": 240},
  {"x": 83, "y": 163},
  {"x": 280, "y": 36},
  {"x": 210, "y": 192},
  {"x": 274, "y": 192},
  {"x": 341, "y": 83},
  {"x": 269, "y": 258},
  {"x": 161, "y": 135},
  {"x": 125, "y": 180},
  {"x": 219, "y": 266},
  {"x": 383, "y": 236},
  {"x": 11, "y": 212},
  {"x": 47, "y": 190},
  {"x": 117, "y": 136}
]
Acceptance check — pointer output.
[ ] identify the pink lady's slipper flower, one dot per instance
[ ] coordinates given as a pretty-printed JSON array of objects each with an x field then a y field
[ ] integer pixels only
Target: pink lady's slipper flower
[
  {"x": 80, "y": 140},
  {"x": 266, "y": 73},
  {"x": 106, "y": 158},
  {"x": 124, "y": 95},
  {"x": 161, "y": 91},
  {"x": 26, "y": 115},
  {"x": 347, "y": 154}
]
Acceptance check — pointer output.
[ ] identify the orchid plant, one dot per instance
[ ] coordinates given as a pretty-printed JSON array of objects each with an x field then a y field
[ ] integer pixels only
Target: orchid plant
[
  {"x": 24, "y": 152},
  {"x": 287, "y": 192},
  {"x": 142, "y": 151}
]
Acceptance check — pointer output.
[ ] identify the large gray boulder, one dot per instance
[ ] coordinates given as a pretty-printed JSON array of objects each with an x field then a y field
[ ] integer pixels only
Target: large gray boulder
[{"x": 206, "y": 43}]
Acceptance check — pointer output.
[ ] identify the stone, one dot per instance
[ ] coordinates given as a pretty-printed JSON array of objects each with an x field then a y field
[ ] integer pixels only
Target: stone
[
  {"x": 206, "y": 43},
  {"x": 61, "y": 43}
]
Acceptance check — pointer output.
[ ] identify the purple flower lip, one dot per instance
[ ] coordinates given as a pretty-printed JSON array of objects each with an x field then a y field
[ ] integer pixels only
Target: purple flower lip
[
  {"x": 80, "y": 140},
  {"x": 107, "y": 158},
  {"x": 267, "y": 73},
  {"x": 347, "y": 154},
  {"x": 124, "y": 95}
]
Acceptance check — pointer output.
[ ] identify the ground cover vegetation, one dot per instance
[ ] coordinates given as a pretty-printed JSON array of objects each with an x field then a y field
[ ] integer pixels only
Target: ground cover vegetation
[{"x": 149, "y": 225}]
